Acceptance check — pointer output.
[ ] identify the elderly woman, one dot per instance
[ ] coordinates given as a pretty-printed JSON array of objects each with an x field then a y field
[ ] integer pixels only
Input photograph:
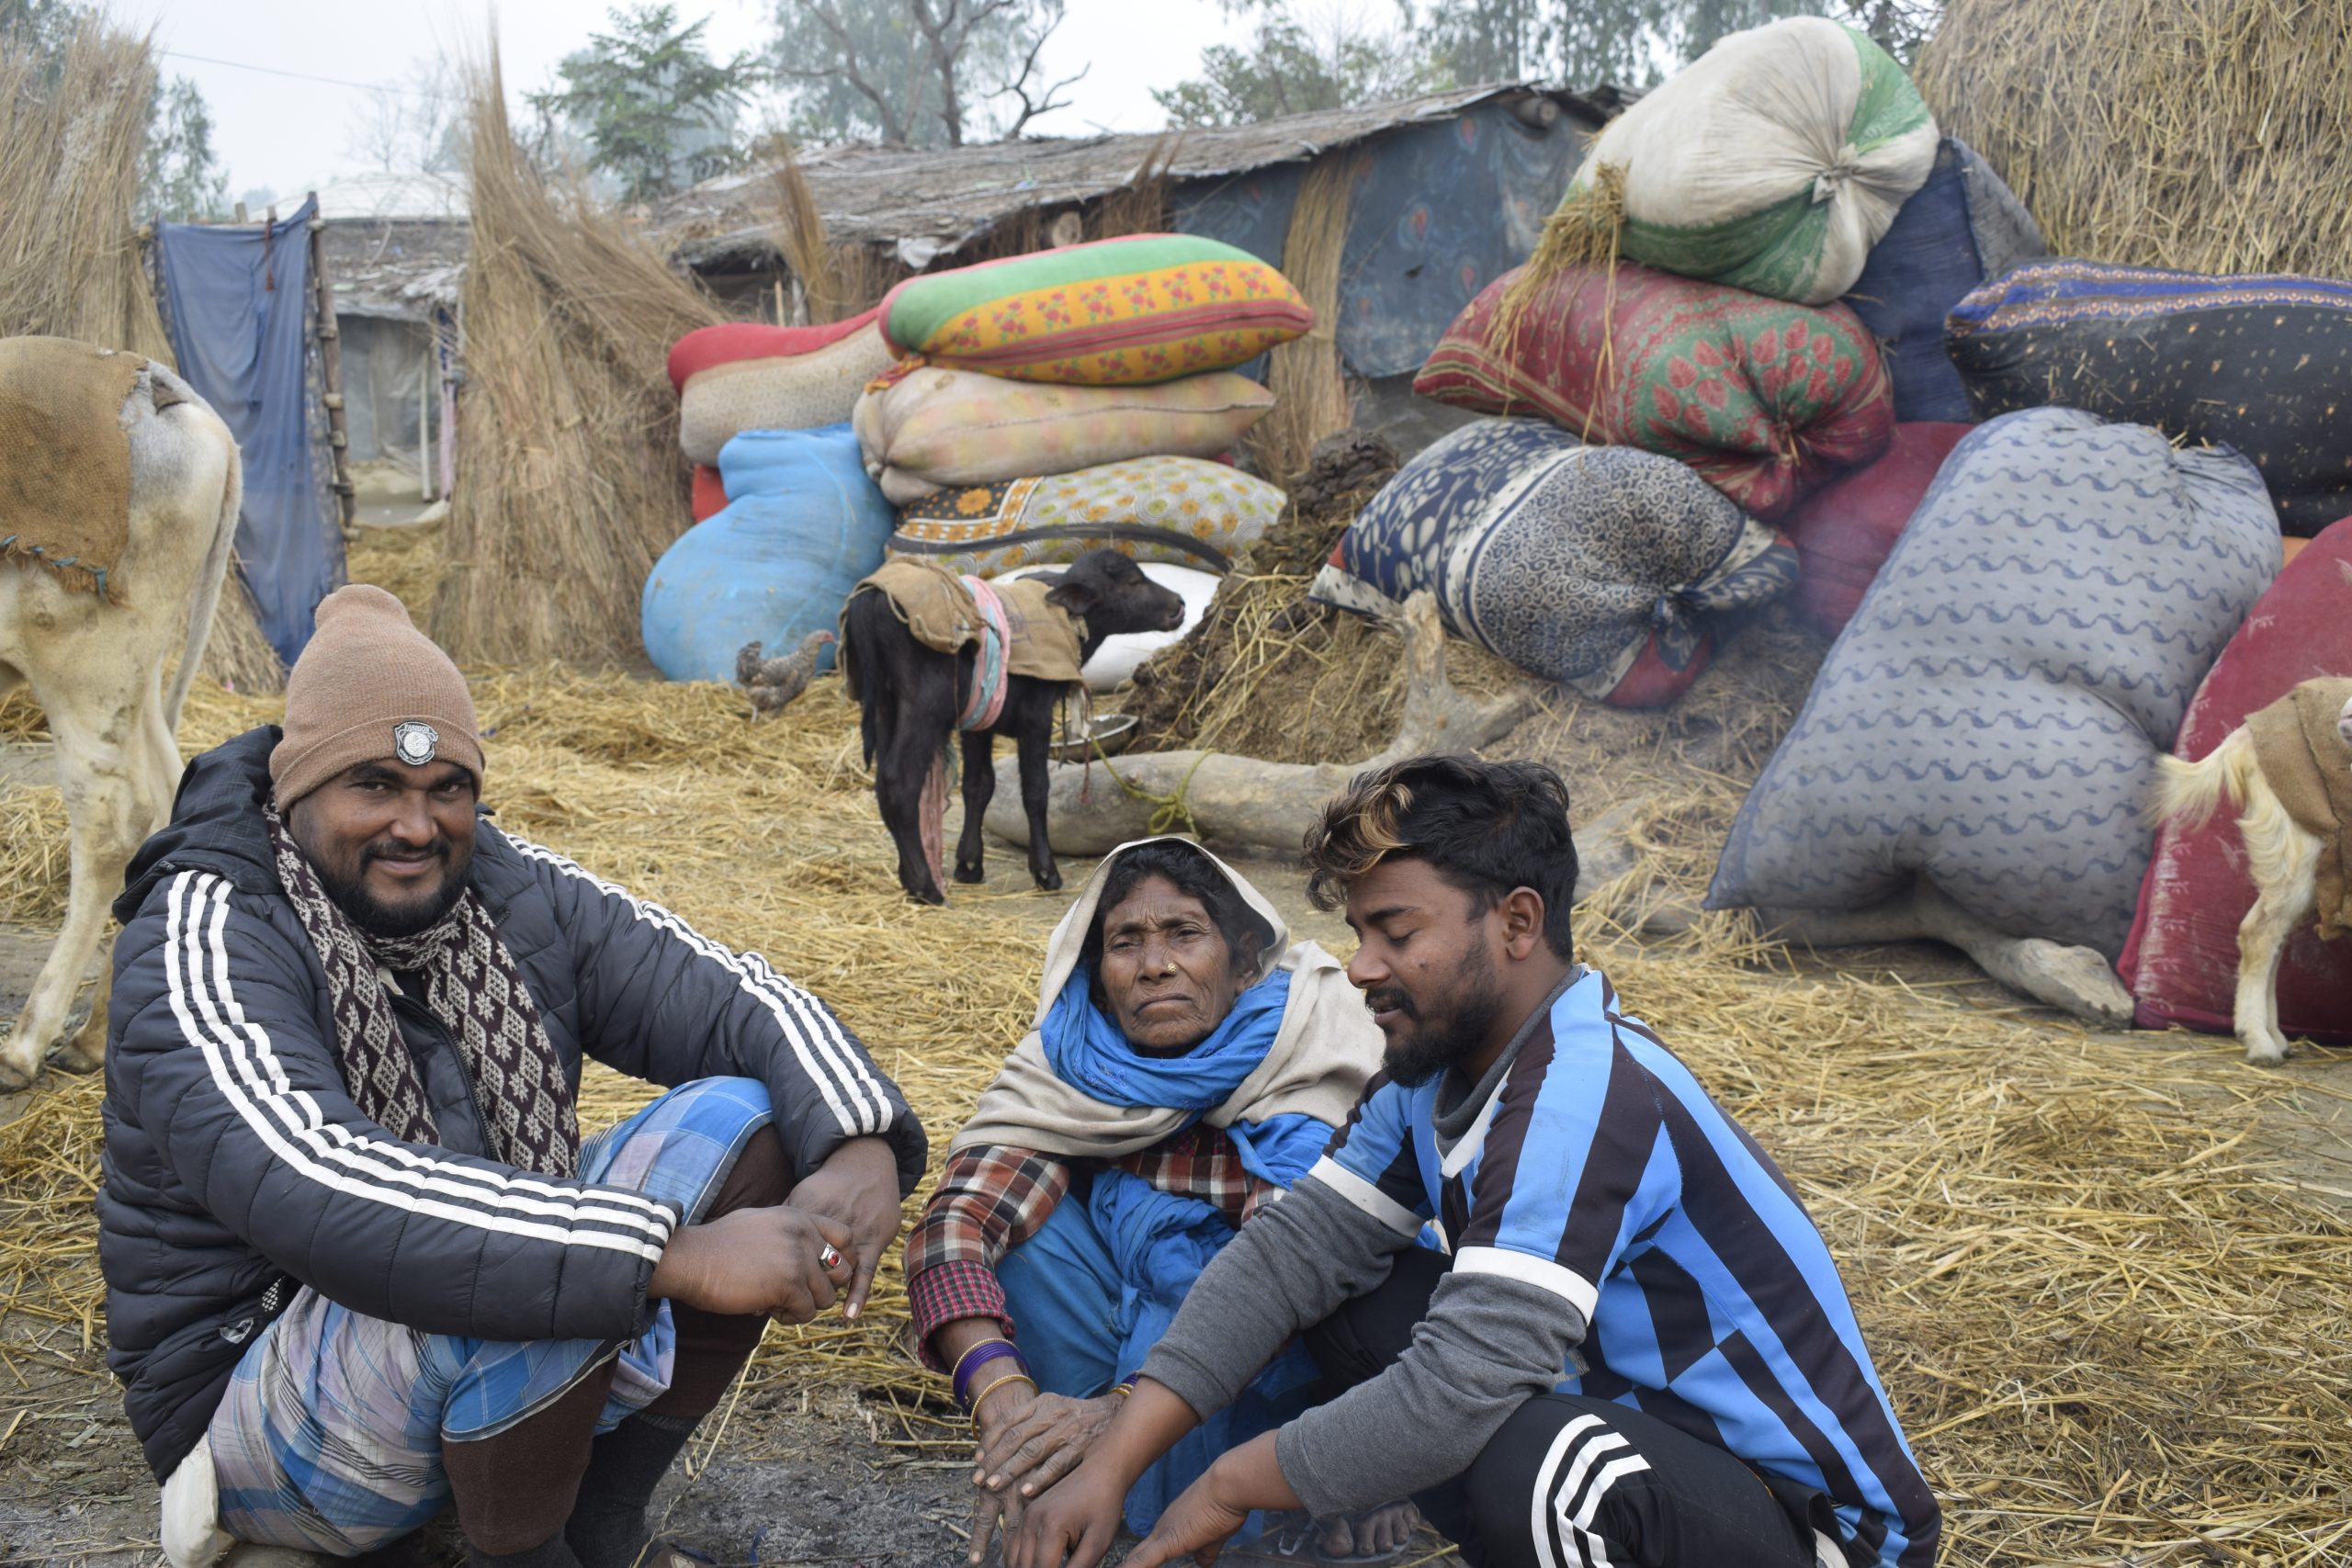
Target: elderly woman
[{"x": 1188, "y": 1063}]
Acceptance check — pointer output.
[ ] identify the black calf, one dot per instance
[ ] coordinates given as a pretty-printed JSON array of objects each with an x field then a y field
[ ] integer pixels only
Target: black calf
[{"x": 909, "y": 697}]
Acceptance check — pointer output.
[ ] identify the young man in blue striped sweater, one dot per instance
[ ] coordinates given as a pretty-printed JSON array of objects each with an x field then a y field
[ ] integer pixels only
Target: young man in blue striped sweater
[{"x": 1556, "y": 1291}]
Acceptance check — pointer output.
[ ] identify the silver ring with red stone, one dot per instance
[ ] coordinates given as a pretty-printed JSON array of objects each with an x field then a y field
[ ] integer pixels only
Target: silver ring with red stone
[{"x": 829, "y": 1258}]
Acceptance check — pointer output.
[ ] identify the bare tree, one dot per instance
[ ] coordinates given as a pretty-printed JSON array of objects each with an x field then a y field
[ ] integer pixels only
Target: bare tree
[
  {"x": 1045, "y": 102},
  {"x": 915, "y": 72}
]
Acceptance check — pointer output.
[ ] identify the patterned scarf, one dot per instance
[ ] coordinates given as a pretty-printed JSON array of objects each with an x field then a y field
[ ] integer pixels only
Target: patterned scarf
[{"x": 472, "y": 987}]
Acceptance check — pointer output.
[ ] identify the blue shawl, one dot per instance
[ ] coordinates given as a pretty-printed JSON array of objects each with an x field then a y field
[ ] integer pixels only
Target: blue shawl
[{"x": 1088, "y": 1051}]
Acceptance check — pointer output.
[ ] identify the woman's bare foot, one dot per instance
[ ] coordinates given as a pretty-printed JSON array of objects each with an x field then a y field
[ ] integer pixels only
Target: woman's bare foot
[{"x": 1371, "y": 1532}]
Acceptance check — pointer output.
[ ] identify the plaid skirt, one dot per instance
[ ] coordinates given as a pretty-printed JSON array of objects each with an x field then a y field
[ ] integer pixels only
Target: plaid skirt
[{"x": 329, "y": 1438}]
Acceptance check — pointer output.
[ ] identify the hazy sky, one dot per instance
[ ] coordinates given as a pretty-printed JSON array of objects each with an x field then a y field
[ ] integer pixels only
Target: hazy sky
[{"x": 288, "y": 133}]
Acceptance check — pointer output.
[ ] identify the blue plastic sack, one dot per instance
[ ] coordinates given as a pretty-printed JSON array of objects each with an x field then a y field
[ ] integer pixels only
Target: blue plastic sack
[
  {"x": 804, "y": 524},
  {"x": 1960, "y": 228}
]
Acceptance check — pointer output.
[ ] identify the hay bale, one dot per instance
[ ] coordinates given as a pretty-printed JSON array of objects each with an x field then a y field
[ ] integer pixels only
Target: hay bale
[
  {"x": 2207, "y": 137},
  {"x": 570, "y": 481},
  {"x": 237, "y": 655},
  {"x": 1310, "y": 396},
  {"x": 70, "y": 155}
]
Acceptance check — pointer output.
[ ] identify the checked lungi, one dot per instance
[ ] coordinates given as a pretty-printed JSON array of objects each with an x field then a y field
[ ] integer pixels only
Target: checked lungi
[{"x": 329, "y": 1438}]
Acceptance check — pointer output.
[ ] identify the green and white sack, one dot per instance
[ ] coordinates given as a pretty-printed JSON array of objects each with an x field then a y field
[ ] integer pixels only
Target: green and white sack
[{"x": 1773, "y": 163}]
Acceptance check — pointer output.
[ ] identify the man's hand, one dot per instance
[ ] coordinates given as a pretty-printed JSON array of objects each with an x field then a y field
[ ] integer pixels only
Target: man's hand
[
  {"x": 754, "y": 1261},
  {"x": 1199, "y": 1523},
  {"x": 856, "y": 1186},
  {"x": 1028, "y": 1442},
  {"x": 1074, "y": 1523}
]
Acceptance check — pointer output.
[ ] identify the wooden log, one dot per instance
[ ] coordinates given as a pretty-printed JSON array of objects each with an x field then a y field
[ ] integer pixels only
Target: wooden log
[
  {"x": 331, "y": 374},
  {"x": 1240, "y": 800}
]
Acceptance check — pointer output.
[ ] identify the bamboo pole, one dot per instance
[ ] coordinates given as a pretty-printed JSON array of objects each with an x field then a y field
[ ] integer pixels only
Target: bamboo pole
[{"x": 331, "y": 372}]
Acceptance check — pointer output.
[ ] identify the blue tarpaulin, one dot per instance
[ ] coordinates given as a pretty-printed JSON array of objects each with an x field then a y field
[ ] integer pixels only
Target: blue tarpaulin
[{"x": 236, "y": 301}]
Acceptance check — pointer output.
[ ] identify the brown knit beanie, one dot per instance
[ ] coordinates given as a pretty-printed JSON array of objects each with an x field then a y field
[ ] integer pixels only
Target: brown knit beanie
[{"x": 370, "y": 687}]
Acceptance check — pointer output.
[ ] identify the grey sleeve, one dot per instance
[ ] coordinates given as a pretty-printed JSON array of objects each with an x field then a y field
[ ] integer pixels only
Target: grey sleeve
[
  {"x": 1292, "y": 1265},
  {"x": 1489, "y": 1343}
]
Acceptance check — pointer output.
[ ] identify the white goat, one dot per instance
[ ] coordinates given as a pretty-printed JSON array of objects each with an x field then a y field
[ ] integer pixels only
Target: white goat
[
  {"x": 95, "y": 667},
  {"x": 2283, "y": 857}
]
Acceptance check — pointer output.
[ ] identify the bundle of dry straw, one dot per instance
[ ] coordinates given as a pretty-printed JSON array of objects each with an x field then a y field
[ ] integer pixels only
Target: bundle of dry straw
[
  {"x": 1310, "y": 396},
  {"x": 2208, "y": 136},
  {"x": 570, "y": 481},
  {"x": 70, "y": 153},
  {"x": 71, "y": 148}
]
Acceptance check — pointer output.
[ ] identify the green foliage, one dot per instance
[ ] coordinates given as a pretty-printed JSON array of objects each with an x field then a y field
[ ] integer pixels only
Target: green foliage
[
  {"x": 656, "y": 111},
  {"x": 1293, "y": 66},
  {"x": 1300, "y": 58},
  {"x": 179, "y": 180}
]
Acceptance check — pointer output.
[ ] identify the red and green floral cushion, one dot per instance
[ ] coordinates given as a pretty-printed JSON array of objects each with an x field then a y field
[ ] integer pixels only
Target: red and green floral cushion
[{"x": 1766, "y": 400}]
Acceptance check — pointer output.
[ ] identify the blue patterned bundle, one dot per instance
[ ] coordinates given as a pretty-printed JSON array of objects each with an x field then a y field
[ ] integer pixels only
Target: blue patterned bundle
[
  {"x": 1572, "y": 561},
  {"x": 1991, "y": 717}
]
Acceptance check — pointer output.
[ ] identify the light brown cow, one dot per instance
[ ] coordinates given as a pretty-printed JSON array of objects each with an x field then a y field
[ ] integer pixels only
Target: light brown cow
[{"x": 95, "y": 662}]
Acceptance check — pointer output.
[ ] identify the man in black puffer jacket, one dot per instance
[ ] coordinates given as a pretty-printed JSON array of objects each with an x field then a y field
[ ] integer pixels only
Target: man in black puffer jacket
[{"x": 359, "y": 1263}]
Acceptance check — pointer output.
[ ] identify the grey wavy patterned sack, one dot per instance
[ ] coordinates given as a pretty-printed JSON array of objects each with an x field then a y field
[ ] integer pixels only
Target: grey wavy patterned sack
[{"x": 1991, "y": 717}]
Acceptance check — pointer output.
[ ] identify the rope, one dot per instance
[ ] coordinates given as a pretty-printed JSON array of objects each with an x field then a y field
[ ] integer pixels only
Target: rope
[{"x": 1168, "y": 809}]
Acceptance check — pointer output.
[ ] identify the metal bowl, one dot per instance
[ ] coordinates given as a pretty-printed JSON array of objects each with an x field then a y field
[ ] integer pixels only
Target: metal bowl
[{"x": 1110, "y": 731}]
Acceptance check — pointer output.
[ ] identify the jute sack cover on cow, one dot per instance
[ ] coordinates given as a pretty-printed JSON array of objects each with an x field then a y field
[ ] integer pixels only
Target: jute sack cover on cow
[
  {"x": 932, "y": 429},
  {"x": 1765, "y": 399},
  {"x": 2257, "y": 363},
  {"x": 1773, "y": 162},
  {"x": 937, "y": 606},
  {"x": 62, "y": 434},
  {"x": 1176, "y": 511},
  {"x": 1959, "y": 228},
  {"x": 1845, "y": 530},
  {"x": 1991, "y": 718},
  {"x": 1598, "y": 566},
  {"x": 2181, "y": 962},
  {"x": 1113, "y": 313},
  {"x": 750, "y": 377}
]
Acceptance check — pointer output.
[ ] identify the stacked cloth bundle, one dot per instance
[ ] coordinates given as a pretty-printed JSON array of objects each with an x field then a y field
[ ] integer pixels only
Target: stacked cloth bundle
[
  {"x": 1990, "y": 718},
  {"x": 1602, "y": 566},
  {"x": 1773, "y": 163},
  {"x": 2181, "y": 962},
  {"x": 1764, "y": 400},
  {"x": 1959, "y": 230},
  {"x": 2258, "y": 363},
  {"x": 1053, "y": 403},
  {"x": 772, "y": 564},
  {"x": 740, "y": 376}
]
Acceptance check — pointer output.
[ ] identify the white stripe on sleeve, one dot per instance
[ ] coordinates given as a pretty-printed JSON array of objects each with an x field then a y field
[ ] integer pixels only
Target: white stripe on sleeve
[
  {"x": 1526, "y": 1268},
  {"x": 1364, "y": 1195},
  {"x": 244, "y": 1067},
  {"x": 832, "y": 1061}
]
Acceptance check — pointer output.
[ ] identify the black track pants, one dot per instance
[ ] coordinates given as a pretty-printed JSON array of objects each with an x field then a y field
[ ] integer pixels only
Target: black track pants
[{"x": 1570, "y": 1482}]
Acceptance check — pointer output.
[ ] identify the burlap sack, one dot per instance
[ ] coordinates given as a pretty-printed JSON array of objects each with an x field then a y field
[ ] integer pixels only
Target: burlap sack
[{"x": 65, "y": 457}]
